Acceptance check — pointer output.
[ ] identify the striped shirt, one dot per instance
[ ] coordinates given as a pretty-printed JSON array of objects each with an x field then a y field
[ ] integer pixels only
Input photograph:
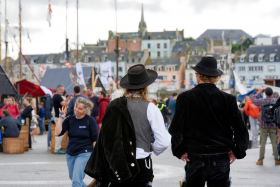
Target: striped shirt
[{"x": 259, "y": 103}]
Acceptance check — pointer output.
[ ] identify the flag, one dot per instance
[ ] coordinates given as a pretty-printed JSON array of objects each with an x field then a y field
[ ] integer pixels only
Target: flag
[
  {"x": 68, "y": 65},
  {"x": 28, "y": 36},
  {"x": 42, "y": 69},
  {"x": 105, "y": 71},
  {"x": 49, "y": 13},
  {"x": 80, "y": 73},
  {"x": 223, "y": 34}
]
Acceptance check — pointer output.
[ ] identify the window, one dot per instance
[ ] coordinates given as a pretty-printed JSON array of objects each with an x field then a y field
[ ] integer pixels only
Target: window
[
  {"x": 221, "y": 58},
  {"x": 126, "y": 41},
  {"x": 134, "y": 41},
  {"x": 256, "y": 78},
  {"x": 149, "y": 46},
  {"x": 241, "y": 69},
  {"x": 241, "y": 59},
  {"x": 255, "y": 68},
  {"x": 149, "y": 54},
  {"x": 149, "y": 37},
  {"x": 112, "y": 69},
  {"x": 191, "y": 76},
  {"x": 158, "y": 54},
  {"x": 192, "y": 52},
  {"x": 158, "y": 46},
  {"x": 271, "y": 68},
  {"x": 120, "y": 69},
  {"x": 25, "y": 69},
  {"x": 173, "y": 77},
  {"x": 242, "y": 78},
  {"x": 164, "y": 78},
  {"x": 165, "y": 45},
  {"x": 126, "y": 50},
  {"x": 199, "y": 52},
  {"x": 225, "y": 57},
  {"x": 165, "y": 54},
  {"x": 133, "y": 60}
]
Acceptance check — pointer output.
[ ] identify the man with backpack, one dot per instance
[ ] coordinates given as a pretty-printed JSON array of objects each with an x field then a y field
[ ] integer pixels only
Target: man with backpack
[
  {"x": 267, "y": 125},
  {"x": 276, "y": 111}
]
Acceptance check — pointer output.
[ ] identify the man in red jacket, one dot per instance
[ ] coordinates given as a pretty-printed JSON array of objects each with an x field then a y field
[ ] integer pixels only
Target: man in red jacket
[
  {"x": 12, "y": 107},
  {"x": 103, "y": 103}
]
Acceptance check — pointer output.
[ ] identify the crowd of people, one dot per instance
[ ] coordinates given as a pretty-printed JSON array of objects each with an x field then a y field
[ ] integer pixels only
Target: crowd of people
[{"x": 112, "y": 140}]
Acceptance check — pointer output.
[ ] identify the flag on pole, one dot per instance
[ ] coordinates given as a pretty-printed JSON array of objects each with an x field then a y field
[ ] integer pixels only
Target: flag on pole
[
  {"x": 28, "y": 36},
  {"x": 80, "y": 74},
  {"x": 42, "y": 69},
  {"x": 68, "y": 65},
  {"x": 49, "y": 13}
]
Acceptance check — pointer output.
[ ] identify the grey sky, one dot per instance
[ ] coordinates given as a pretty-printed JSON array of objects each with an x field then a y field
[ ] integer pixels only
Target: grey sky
[{"x": 97, "y": 17}]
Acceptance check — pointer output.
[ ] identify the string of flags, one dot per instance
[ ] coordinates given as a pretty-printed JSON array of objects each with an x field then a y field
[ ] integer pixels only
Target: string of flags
[
  {"x": 42, "y": 69},
  {"x": 49, "y": 13},
  {"x": 68, "y": 65}
]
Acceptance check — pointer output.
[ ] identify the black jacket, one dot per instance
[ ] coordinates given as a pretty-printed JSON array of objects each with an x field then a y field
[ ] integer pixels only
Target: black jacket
[
  {"x": 113, "y": 158},
  {"x": 11, "y": 127},
  {"x": 207, "y": 121},
  {"x": 27, "y": 113}
]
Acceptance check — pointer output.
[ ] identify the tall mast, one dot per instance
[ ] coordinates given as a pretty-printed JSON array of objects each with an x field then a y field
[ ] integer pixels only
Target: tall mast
[
  {"x": 66, "y": 17},
  {"x": 117, "y": 46},
  {"x": 0, "y": 31},
  {"x": 77, "y": 33},
  {"x": 6, "y": 42},
  {"x": 67, "y": 51},
  {"x": 20, "y": 57}
]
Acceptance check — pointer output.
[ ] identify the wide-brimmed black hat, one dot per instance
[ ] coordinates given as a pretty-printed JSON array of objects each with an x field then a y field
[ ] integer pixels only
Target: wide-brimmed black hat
[
  {"x": 207, "y": 66},
  {"x": 138, "y": 77}
]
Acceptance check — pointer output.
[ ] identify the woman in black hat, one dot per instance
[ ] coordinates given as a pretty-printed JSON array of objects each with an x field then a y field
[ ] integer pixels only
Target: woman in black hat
[{"x": 122, "y": 157}]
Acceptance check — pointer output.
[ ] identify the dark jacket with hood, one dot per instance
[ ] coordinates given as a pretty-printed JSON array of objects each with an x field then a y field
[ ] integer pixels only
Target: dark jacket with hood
[
  {"x": 207, "y": 121},
  {"x": 111, "y": 159}
]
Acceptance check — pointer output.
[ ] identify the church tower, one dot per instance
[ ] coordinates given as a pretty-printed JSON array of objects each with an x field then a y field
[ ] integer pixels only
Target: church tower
[{"x": 142, "y": 24}]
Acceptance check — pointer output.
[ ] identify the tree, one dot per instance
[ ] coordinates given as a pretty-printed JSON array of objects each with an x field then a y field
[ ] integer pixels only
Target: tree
[
  {"x": 189, "y": 39},
  {"x": 235, "y": 47}
]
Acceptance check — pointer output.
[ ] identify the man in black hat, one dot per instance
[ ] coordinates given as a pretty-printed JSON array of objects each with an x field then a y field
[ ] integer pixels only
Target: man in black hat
[
  {"x": 122, "y": 156},
  {"x": 207, "y": 129}
]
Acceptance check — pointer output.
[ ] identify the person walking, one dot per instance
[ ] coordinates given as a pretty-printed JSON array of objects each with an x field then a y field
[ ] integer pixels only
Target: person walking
[
  {"x": 266, "y": 129},
  {"x": 10, "y": 125},
  {"x": 207, "y": 129},
  {"x": 103, "y": 103},
  {"x": 12, "y": 107},
  {"x": 122, "y": 157},
  {"x": 77, "y": 92},
  {"x": 252, "y": 111},
  {"x": 41, "y": 117},
  {"x": 94, "y": 99},
  {"x": 171, "y": 105},
  {"x": 164, "y": 111},
  {"x": 27, "y": 114},
  {"x": 83, "y": 133},
  {"x": 49, "y": 108},
  {"x": 58, "y": 102}
]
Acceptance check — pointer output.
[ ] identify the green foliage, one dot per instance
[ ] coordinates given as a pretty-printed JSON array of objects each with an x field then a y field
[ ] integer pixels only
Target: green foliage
[
  {"x": 189, "y": 39},
  {"x": 235, "y": 47},
  {"x": 246, "y": 44}
]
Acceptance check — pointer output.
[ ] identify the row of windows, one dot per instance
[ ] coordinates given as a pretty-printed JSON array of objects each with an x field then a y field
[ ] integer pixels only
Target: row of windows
[
  {"x": 158, "y": 54},
  {"x": 260, "y": 59},
  {"x": 162, "y": 68},
  {"x": 165, "y": 77},
  {"x": 256, "y": 69},
  {"x": 195, "y": 52},
  {"x": 158, "y": 46},
  {"x": 257, "y": 78}
]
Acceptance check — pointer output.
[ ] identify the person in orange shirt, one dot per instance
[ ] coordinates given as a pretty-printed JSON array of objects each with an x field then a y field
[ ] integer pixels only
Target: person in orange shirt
[{"x": 252, "y": 111}]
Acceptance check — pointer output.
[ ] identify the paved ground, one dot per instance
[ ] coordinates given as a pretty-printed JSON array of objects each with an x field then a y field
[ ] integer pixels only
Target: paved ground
[{"x": 38, "y": 167}]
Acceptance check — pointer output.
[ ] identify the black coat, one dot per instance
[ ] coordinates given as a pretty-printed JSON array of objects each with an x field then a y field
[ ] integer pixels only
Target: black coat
[
  {"x": 208, "y": 121},
  {"x": 113, "y": 158}
]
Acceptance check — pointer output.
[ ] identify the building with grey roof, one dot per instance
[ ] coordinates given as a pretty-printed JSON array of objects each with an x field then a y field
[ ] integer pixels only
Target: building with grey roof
[{"x": 234, "y": 34}]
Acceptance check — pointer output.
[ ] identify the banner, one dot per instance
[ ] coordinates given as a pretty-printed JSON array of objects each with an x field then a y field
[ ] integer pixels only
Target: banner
[
  {"x": 241, "y": 88},
  {"x": 80, "y": 74},
  {"x": 106, "y": 73}
]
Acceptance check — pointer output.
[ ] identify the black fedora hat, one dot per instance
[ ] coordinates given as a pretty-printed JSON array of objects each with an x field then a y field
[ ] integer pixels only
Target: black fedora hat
[
  {"x": 138, "y": 77},
  {"x": 207, "y": 66}
]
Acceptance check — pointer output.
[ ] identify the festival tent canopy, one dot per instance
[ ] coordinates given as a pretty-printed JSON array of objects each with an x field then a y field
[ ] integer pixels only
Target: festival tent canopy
[
  {"x": 6, "y": 86},
  {"x": 25, "y": 87},
  {"x": 68, "y": 78}
]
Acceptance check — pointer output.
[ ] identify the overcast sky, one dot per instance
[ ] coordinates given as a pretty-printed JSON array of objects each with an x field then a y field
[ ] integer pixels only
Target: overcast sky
[{"x": 97, "y": 17}]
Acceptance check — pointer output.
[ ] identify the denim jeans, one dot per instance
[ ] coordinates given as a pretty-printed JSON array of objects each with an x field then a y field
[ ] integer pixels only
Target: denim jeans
[
  {"x": 41, "y": 125},
  {"x": 49, "y": 135},
  {"x": 213, "y": 169},
  {"x": 76, "y": 166}
]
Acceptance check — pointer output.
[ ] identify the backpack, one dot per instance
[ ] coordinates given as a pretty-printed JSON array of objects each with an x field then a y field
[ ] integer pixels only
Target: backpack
[
  {"x": 15, "y": 108},
  {"x": 72, "y": 119},
  {"x": 267, "y": 115},
  {"x": 277, "y": 116}
]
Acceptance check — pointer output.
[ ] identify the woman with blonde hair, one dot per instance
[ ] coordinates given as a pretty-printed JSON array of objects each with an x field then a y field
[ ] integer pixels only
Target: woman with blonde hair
[
  {"x": 82, "y": 133},
  {"x": 122, "y": 157}
]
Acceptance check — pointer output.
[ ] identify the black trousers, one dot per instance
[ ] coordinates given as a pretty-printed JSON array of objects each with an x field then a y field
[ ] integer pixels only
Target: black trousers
[
  {"x": 142, "y": 179},
  {"x": 213, "y": 169}
]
